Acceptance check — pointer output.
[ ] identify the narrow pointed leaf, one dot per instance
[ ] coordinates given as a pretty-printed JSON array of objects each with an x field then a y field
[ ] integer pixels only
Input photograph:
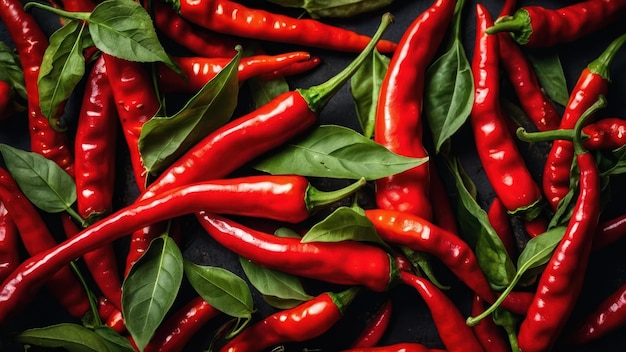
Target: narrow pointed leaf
[
  {"x": 551, "y": 77},
  {"x": 44, "y": 183},
  {"x": 222, "y": 289},
  {"x": 71, "y": 337},
  {"x": 62, "y": 68},
  {"x": 151, "y": 288},
  {"x": 365, "y": 86},
  {"x": 343, "y": 224},
  {"x": 336, "y": 152},
  {"x": 11, "y": 71},
  {"x": 164, "y": 139}
]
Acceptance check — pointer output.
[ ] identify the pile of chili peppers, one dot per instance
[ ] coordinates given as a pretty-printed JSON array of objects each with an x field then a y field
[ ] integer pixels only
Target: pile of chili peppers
[{"x": 488, "y": 216}]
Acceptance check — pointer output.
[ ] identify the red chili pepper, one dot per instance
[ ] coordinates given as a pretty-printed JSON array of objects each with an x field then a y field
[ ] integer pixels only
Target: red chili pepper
[
  {"x": 181, "y": 326},
  {"x": 31, "y": 43},
  {"x": 301, "y": 323},
  {"x": 9, "y": 243},
  {"x": 605, "y": 134},
  {"x": 335, "y": 262},
  {"x": 398, "y": 347},
  {"x": 504, "y": 166},
  {"x": 257, "y": 132},
  {"x": 408, "y": 230},
  {"x": 501, "y": 223},
  {"x": 37, "y": 239},
  {"x": 229, "y": 17},
  {"x": 199, "y": 70},
  {"x": 609, "y": 231},
  {"x": 531, "y": 96},
  {"x": 454, "y": 333},
  {"x": 561, "y": 281},
  {"x": 487, "y": 332},
  {"x": 540, "y": 27},
  {"x": 376, "y": 327},
  {"x": 199, "y": 41},
  {"x": 398, "y": 124},
  {"x": 284, "y": 198},
  {"x": 592, "y": 82}
]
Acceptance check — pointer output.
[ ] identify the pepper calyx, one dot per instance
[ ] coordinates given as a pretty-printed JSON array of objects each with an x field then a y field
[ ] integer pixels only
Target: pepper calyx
[{"x": 518, "y": 25}]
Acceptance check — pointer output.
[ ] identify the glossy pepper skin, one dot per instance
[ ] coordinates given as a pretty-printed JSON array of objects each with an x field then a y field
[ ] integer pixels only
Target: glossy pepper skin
[
  {"x": 301, "y": 323},
  {"x": 338, "y": 262},
  {"x": 232, "y": 18},
  {"x": 504, "y": 166},
  {"x": 592, "y": 82},
  {"x": 609, "y": 231},
  {"x": 199, "y": 70},
  {"x": 561, "y": 281},
  {"x": 31, "y": 43},
  {"x": 541, "y": 27},
  {"x": 277, "y": 197},
  {"x": 398, "y": 121},
  {"x": 418, "y": 234},
  {"x": 180, "y": 327},
  {"x": 487, "y": 332},
  {"x": 376, "y": 327},
  {"x": 454, "y": 334},
  {"x": 199, "y": 41},
  {"x": 36, "y": 239},
  {"x": 9, "y": 240},
  {"x": 501, "y": 223},
  {"x": 538, "y": 107},
  {"x": 398, "y": 347},
  {"x": 283, "y": 118}
]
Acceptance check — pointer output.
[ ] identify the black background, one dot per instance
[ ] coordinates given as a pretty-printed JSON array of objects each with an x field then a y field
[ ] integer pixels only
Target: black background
[{"x": 411, "y": 321}]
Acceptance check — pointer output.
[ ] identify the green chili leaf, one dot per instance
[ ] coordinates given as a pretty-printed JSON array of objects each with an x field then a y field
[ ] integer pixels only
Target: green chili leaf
[
  {"x": 449, "y": 88},
  {"x": 124, "y": 29},
  {"x": 337, "y": 8},
  {"x": 11, "y": 70},
  {"x": 222, "y": 289},
  {"x": 71, "y": 337},
  {"x": 535, "y": 255},
  {"x": 276, "y": 286},
  {"x": 113, "y": 339},
  {"x": 336, "y": 152},
  {"x": 151, "y": 288},
  {"x": 475, "y": 226},
  {"x": 547, "y": 65},
  {"x": 264, "y": 90},
  {"x": 164, "y": 139},
  {"x": 365, "y": 86},
  {"x": 62, "y": 68},
  {"x": 343, "y": 224},
  {"x": 44, "y": 183}
]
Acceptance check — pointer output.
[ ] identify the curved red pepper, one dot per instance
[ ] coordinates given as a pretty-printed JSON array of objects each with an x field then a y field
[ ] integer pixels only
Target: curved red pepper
[
  {"x": 300, "y": 323},
  {"x": 37, "y": 239},
  {"x": 609, "y": 231},
  {"x": 501, "y": 223},
  {"x": 199, "y": 41},
  {"x": 181, "y": 326},
  {"x": 487, "y": 332},
  {"x": 286, "y": 116},
  {"x": 9, "y": 249},
  {"x": 398, "y": 347},
  {"x": 420, "y": 235},
  {"x": 398, "y": 124},
  {"x": 375, "y": 328},
  {"x": 455, "y": 335},
  {"x": 284, "y": 198},
  {"x": 31, "y": 43},
  {"x": 232, "y": 18},
  {"x": 592, "y": 82},
  {"x": 541, "y": 27},
  {"x": 504, "y": 166},
  {"x": 561, "y": 281},
  {"x": 199, "y": 70}
]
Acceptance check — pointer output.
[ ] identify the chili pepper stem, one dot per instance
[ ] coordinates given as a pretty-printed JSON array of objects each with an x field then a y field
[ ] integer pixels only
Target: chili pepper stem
[
  {"x": 578, "y": 146},
  {"x": 318, "y": 96},
  {"x": 343, "y": 299},
  {"x": 600, "y": 66},
  {"x": 518, "y": 25},
  {"x": 316, "y": 199},
  {"x": 547, "y": 136},
  {"x": 473, "y": 321},
  {"x": 82, "y": 16}
]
